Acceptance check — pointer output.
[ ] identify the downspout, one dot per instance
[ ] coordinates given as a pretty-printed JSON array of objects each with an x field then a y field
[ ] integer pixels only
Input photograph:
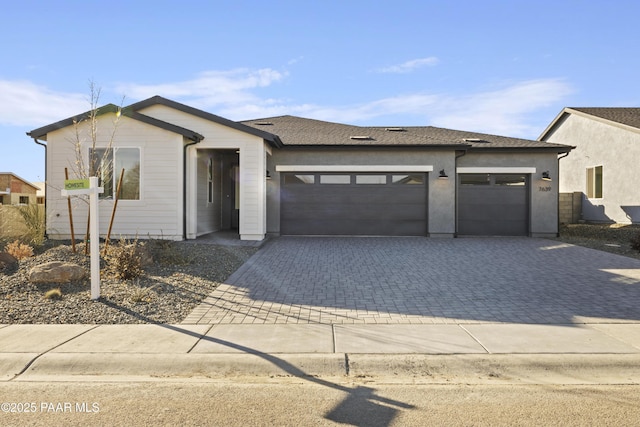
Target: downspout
[
  {"x": 184, "y": 186},
  {"x": 45, "y": 183},
  {"x": 558, "y": 202},
  {"x": 455, "y": 190}
]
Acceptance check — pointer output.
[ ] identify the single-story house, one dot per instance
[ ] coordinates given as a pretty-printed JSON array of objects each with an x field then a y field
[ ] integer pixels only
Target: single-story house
[
  {"x": 17, "y": 191},
  {"x": 189, "y": 173},
  {"x": 604, "y": 167}
]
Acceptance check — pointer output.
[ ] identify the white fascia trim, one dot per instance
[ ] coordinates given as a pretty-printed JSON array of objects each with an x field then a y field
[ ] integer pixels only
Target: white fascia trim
[
  {"x": 496, "y": 170},
  {"x": 354, "y": 168}
]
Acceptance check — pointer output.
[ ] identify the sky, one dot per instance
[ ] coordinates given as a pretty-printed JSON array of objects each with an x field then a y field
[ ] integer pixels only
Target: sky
[{"x": 505, "y": 67}]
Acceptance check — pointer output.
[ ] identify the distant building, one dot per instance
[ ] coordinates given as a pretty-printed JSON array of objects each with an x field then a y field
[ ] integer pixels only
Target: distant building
[{"x": 17, "y": 191}]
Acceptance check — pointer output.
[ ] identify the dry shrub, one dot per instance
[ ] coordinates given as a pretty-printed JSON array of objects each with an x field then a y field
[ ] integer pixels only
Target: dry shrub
[
  {"x": 19, "y": 250},
  {"x": 123, "y": 260},
  {"x": 54, "y": 293}
]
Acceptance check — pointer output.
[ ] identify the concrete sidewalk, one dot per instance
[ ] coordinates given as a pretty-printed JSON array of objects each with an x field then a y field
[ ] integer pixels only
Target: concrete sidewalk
[{"x": 473, "y": 352}]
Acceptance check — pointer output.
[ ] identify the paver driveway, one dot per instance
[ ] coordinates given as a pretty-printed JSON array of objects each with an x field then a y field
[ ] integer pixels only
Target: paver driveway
[{"x": 420, "y": 280}]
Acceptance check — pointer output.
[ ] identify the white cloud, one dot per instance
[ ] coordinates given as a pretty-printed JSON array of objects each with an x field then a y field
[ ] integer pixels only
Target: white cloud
[
  {"x": 211, "y": 88},
  {"x": 507, "y": 110},
  {"x": 503, "y": 111},
  {"x": 23, "y": 103},
  {"x": 409, "y": 66}
]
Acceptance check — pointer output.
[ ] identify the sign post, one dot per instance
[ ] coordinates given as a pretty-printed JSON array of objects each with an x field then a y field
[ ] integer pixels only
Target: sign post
[{"x": 76, "y": 187}]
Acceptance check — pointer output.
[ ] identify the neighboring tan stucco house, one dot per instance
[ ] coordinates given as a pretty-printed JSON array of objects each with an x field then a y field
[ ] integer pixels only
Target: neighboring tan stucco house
[
  {"x": 16, "y": 191},
  {"x": 604, "y": 164},
  {"x": 190, "y": 173}
]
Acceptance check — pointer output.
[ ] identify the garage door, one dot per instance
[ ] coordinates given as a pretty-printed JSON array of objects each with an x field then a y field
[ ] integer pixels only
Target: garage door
[
  {"x": 374, "y": 204},
  {"x": 493, "y": 205}
]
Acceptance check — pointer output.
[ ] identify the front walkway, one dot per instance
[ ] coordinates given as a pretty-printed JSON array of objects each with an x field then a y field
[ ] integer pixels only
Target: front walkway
[{"x": 396, "y": 280}]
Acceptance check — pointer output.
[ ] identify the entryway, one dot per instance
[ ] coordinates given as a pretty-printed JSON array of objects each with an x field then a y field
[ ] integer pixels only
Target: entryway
[{"x": 218, "y": 190}]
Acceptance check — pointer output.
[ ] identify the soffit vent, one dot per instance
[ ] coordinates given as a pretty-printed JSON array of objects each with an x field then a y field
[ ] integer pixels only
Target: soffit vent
[{"x": 361, "y": 138}]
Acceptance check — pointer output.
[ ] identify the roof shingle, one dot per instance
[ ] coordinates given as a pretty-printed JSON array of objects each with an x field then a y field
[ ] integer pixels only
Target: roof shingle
[{"x": 299, "y": 131}]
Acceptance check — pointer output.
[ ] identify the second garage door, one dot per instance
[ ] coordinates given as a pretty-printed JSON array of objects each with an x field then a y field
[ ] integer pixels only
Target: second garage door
[
  {"x": 493, "y": 204},
  {"x": 374, "y": 204}
]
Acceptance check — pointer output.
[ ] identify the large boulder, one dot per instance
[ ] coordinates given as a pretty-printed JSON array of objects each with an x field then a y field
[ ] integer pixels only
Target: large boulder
[
  {"x": 57, "y": 272},
  {"x": 8, "y": 263}
]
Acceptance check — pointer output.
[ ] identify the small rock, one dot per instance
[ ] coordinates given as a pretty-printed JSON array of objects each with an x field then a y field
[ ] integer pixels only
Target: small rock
[
  {"x": 8, "y": 263},
  {"x": 56, "y": 272}
]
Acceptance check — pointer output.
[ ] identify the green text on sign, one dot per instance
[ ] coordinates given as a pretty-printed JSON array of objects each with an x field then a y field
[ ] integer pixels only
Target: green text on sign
[{"x": 76, "y": 184}]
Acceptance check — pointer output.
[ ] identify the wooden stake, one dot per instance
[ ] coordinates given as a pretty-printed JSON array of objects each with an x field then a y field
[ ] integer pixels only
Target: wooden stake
[
  {"x": 113, "y": 212},
  {"x": 73, "y": 236}
]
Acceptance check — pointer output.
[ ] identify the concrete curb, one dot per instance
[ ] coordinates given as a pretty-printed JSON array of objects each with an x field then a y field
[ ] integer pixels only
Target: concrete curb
[
  {"x": 499, "y": 368},
  {"x": 128, "y": 366},
  {"x": 408, "y": 368}
]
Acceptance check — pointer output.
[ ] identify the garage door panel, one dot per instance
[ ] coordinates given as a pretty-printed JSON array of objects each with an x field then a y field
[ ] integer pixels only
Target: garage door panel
[
  {"x": 375, "y": 227},
  {"x": 482, "y": 212},
  {"x": 493, "y": 228},
  {"x": 384, "y": 212},
  {"x": 355, "y": 195},
  {"x": 354, "y": 209},
  {"x": 493, "y": 209}
]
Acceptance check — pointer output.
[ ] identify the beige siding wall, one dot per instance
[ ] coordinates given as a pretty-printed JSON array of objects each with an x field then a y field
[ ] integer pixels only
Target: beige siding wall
[
  {"x": 158, "y": 213},
  {"x": 617, "y": 150},
  {"x": 252, "y": 167}
]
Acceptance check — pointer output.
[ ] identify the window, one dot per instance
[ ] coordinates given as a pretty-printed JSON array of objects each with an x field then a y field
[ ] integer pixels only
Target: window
[
  {"x": 409, "y": 179},
  {"x": 24, "y": 200},
  {"x": 335, "y": 179},
  {"x": 103, "y": 163},
  {"x": 475, "y": 179},
  {"x": 511, "y": 180},
  {"x": 371, "y": 179},
  {"x": 299, "y": 179},
  {"x": 210, "y": 180},
  {"x": 594, "y": 182}
]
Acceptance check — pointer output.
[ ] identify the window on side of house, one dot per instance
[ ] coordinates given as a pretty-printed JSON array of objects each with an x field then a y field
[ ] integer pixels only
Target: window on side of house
[
  {"x": 24, "y": 200},
  {"x": 210, "y": 180},
  {"x": 107, "y": 166},
  {"x": 594, "y": 182}
]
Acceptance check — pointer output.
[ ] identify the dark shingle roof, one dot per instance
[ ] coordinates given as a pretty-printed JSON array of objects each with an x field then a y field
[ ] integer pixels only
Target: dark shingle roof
[
  {"x": 626, "y": 116},
  {"x": 298, "y": 131}
]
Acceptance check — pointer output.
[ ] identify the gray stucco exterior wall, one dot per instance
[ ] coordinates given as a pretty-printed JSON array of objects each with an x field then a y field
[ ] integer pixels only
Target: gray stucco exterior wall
[
  {"x": 614, "y": 147},
  {"x": 441, "y": 193},
  {"x": 441, "y": 203},
  {"x": 543, "y": 215}
]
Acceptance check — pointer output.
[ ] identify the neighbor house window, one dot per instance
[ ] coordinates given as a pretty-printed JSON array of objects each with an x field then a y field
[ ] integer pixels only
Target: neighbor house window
[
  {"x": 24, "y": 200},
  {"x": 594, "y": 182},
  {"x": 107, "y": 165}
]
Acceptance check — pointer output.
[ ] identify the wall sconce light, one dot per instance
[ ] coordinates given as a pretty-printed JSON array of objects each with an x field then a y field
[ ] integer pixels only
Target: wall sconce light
[
  {"x": 268, "y": 175},
  {"x": 443, "y": 175},
  {"x": 545, "y": 176}
]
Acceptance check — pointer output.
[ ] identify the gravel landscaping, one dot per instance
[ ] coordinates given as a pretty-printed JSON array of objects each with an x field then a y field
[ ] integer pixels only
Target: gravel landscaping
[
  {"x": 614, "y": 238},
  {"x": 179, "y": 278}
]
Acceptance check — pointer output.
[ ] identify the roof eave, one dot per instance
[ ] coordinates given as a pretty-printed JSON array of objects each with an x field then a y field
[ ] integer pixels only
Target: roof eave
[
  {"x": 41, "y": 132},
  {"x": 158, "y": 100}
]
